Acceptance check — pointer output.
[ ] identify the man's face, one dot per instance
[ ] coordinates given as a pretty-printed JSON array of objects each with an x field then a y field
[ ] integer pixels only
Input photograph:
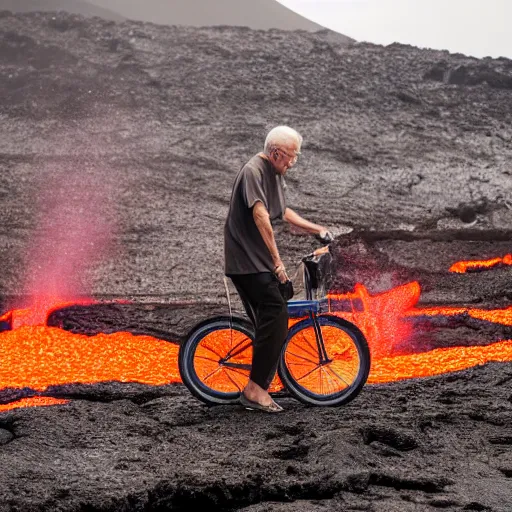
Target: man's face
[{"x": 285, "y": 157}]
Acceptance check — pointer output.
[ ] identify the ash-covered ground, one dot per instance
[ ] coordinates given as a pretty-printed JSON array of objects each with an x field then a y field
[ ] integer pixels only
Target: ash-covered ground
[{"x": 140, "y": 129}]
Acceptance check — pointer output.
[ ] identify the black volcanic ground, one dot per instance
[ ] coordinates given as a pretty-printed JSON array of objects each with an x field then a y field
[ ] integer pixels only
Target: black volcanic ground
[{"x": 143, "y": 128}]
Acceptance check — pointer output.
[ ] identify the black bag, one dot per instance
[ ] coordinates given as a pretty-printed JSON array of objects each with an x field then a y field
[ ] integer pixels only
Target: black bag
[{"x": 286, "y": 290}]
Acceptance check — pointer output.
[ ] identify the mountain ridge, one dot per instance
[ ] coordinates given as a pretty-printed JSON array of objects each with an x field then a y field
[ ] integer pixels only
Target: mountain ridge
[
  {"x": 263, "y": 14},
  {"x": 71, "y": 6}
]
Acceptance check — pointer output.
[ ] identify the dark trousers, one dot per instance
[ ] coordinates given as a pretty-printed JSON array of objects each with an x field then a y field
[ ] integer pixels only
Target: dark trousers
[{"x": 268, "y": 312}]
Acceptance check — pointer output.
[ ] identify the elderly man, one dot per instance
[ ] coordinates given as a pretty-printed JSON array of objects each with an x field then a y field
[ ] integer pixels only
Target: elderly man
[{"x": 252, "y": 259}]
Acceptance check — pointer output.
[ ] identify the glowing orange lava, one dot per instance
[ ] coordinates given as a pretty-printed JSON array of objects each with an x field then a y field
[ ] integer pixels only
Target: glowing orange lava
[
  {"x": 497, "y": 316},
  {"x": 382, "y": 322},
  {"x": 382, "y": 317},
  {"x": 37, "y": 401},
  {"x": 40, "y": 310},
  {"x": 41, "y": 356},
  {"x": 36, "y": 356},
  {"x": 438, "y": 361},
  {"x": 464, "y": 266}
]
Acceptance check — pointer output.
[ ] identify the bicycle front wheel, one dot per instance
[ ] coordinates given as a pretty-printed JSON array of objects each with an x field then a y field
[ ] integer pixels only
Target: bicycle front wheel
[
  {"x": 330, "y": 379},
  {"x": 215, "y": 359}
]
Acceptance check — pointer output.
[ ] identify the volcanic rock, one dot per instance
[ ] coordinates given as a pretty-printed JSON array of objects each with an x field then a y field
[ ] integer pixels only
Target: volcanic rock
[
  {"x": 5, "y": 436},
  {"x": 174, "y": 452},
  {"x": 402, "y": 441},
  {"x": 472, "y": 74}
]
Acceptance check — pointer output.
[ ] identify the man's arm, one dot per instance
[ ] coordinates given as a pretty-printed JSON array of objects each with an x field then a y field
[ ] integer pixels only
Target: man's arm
[
  {"x": 294, "y": 218},
  {"x": 262, "y": 221}
]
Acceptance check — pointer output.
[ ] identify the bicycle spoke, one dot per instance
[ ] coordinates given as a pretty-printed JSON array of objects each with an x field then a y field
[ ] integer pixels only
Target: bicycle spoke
[
  {"x": 348, "y": 384},
  {"x": 205, "y": 366},
  {"x": 236, "y": 339},
  {"x": 212, "y": 373},
  {"x": 245, "y": 373},
  {"x": 227, "y": 369},
  {"x": 314, "y": 352},
  {"x": 218, "y": 342},
  {"x": 206, "y": 347},
  {"x": 309, "y": 373},
  {"x": 313, "y": 358},
  {"x": 299, "y": 357},
  {"x": 337, "y": 387},
  {"x": 320, "y": 386},
  {"x": 321, "y": 380},
  {"x": 353, "y": 376},
  {"x": 207, "y": 359},
  {"x": 233, "y": 381},
  {"x": 326, "y": 384},
  {"x": 231, "y": 354},
  {"x": 337, "y": 383}
]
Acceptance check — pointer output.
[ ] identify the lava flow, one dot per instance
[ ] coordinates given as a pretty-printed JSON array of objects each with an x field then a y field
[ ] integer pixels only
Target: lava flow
[
  {"x": 467, "y": 266},
  {"x": 38, "y": 356},
  {"x": 385, "y": 329},
  {"x": 35, "y": 356}
]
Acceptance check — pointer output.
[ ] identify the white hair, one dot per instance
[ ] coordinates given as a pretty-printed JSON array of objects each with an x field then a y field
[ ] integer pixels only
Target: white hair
[{"x": 280, "y": 136}]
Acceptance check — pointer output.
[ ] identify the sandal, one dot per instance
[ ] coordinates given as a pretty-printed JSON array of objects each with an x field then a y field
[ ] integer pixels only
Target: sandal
[{"x": 249, "y": 404}]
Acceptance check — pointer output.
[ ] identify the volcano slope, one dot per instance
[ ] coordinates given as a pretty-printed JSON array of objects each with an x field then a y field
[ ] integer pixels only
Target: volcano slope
[{"x": 146, "y": 126}]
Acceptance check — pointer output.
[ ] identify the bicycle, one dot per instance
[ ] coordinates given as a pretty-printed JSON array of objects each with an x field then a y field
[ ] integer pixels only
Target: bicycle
[{"x": 325, "y": 359}]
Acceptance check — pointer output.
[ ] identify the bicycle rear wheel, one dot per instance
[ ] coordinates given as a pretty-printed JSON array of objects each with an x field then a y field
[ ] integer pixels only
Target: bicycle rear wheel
[
  {"x": 215, "y": 359},
  {"x": 334, "y": 382}
]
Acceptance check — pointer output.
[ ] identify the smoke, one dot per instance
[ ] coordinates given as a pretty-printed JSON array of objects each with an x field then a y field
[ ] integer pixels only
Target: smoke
[{"x": 74, "y": 232}]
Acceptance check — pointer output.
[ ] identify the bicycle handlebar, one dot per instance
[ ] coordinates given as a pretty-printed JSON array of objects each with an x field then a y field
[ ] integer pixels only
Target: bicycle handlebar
[{"x": 316, "y": 253}]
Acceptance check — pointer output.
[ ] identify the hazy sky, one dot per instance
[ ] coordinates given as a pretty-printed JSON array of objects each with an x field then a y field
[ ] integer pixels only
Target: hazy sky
[{"x": 474, "y": 27}]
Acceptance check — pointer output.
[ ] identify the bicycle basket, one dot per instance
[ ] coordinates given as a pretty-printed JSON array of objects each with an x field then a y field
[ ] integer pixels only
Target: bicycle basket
[{"x": 320, "y": 273}]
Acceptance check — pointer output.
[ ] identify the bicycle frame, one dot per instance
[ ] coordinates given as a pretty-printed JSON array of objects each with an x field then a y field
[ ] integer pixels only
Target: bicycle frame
[
  {"x": 296, "y": 308},
  {"x": 311, "y": 378},
  {"x": 311, "y": 307}
]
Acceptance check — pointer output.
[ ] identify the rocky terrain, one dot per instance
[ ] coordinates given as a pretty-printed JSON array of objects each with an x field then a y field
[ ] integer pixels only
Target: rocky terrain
[{"x": 119, "y": 146}]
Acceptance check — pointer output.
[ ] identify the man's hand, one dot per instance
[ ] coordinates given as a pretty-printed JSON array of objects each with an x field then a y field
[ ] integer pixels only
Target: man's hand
[
  {"x": 325, "y": 236},
  {"x": 280, "y": 273}
]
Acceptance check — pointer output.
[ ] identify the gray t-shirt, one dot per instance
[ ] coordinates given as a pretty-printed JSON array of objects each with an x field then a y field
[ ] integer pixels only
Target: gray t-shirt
[{"x": 245, "y": 251}]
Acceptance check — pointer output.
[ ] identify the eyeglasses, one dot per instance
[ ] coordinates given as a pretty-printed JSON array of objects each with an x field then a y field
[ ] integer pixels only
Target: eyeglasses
[{"x": 293, "y": 157}]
